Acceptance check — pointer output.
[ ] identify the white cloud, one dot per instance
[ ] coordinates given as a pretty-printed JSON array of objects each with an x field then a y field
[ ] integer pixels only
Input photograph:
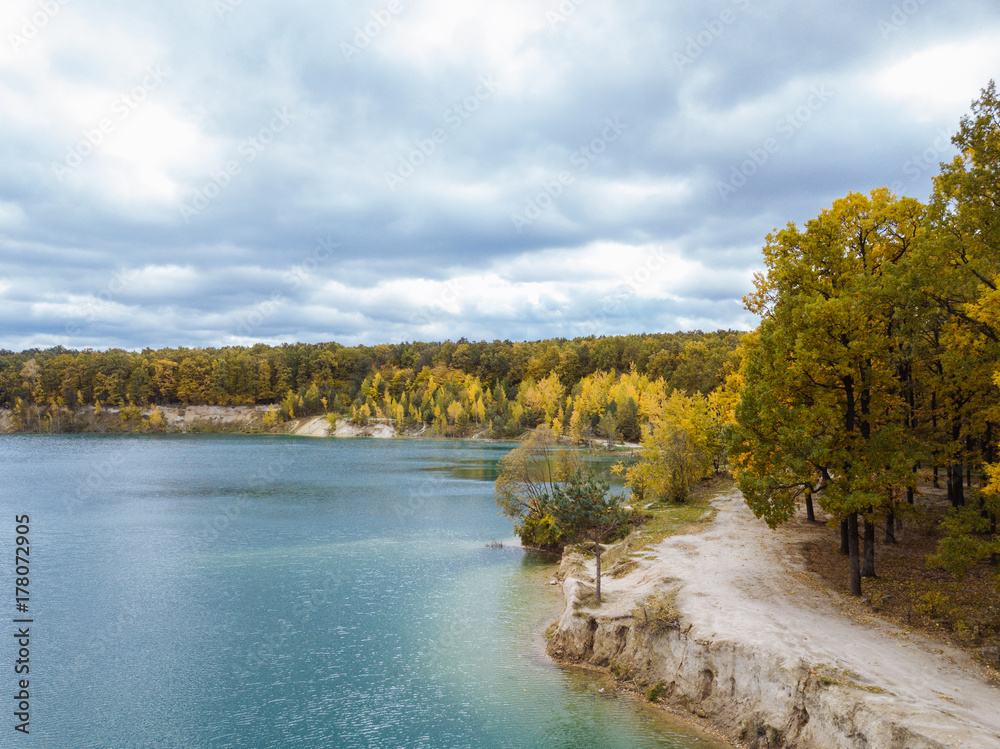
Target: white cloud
[
  {"x": 11, "y": 215},
  {"x": 494, "y": 35},
  {"x": 146, "y": 150},
  {"x": 939, "y": 81}
]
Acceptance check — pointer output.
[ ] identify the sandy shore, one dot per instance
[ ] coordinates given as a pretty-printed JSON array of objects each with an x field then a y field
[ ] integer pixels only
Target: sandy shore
[{"x": 752, "y": 617}]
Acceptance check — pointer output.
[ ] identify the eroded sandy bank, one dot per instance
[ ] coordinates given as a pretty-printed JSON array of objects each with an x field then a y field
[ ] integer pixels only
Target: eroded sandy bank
[
  {"x": 209, "y": 419},
  {"x": 768, "y": 655}
]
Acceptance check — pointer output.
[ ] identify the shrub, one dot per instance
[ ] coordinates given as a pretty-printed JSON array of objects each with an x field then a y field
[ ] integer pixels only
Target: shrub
[{"x": 656, "y": 691}]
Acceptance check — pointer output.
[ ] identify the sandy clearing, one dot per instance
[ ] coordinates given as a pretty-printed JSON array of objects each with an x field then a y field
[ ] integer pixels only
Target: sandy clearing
[
  {"x": 378, "y": 430},
  {"x": 317, "y": 426},
  {"x": 741, "y": 582}
]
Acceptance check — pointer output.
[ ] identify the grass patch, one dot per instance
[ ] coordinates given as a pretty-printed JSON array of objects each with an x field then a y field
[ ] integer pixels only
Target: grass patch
[
  {"x": 622, "y": 672},
  {"x": 672, "y": 518},
  {"x": 623, "y": 568},
  {"x": 828, "y": 675},
  {"x": 617, "y": 560},
  {"x": 762, "y": 734},
  {"x": 657, "y": 613}
]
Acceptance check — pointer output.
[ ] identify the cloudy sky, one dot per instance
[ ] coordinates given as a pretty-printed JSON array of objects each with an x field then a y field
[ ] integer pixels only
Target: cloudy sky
[{"x": 217, "y": 172}]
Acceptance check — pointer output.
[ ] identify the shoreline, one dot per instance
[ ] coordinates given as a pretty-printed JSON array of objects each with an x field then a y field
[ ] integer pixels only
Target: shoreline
[
  {"x": 539, "y": 650},
  {"x": 180, "y": 419},
  {"x": 684, "y": 717},
  {"x": 759, "y": 650},
  {"x": 250, "y": 420}
]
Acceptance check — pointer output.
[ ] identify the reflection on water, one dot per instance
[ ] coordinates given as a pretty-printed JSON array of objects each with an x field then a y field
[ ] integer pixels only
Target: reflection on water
[{"x": 219, "y": 591}]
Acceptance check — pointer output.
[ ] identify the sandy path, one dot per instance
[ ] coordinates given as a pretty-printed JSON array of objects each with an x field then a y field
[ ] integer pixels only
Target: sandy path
[{"x": 745, "y": 583}]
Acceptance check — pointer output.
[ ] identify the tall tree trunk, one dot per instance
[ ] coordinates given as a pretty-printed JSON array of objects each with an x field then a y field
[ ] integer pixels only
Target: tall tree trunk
[
  {"x": 956, "y": 492},
  {"x": 810, "y": 515},
  {"x": 890, "y": 526},
  {"x": 855, "y": 562},
  {"x": 994, "y": 557},
  {"x": 937, "y": 483},
  {"x": 868, "y": 570},
  {"x": 844, "y": 536}
]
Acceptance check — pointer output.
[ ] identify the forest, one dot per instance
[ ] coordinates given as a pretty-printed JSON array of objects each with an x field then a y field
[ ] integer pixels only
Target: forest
[
  {"x": 874, "y": 373},
  {"x": 587, "y": 387}
]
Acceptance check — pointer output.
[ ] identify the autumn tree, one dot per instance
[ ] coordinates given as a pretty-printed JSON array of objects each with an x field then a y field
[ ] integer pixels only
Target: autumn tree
[
  {"x": 163, "y": 381},
  {"x": 528, "y": 478},
  {"x": 821, "y": 401},
  {"x": 31, "y": 372},
  {"x": 961, "y": 262},
  {"x": 582, "y": 507},
  {"x": 543, "y": 399},
  {"x": 679, "y": 444}
]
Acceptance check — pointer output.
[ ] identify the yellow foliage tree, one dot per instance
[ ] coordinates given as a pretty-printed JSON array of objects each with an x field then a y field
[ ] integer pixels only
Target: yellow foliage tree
[
  {"x": 678, "y": 446},
  {"x": 542, "y": 399},
  {"x": 156, "y": 420},
  {"x": 528, "y": 476}
]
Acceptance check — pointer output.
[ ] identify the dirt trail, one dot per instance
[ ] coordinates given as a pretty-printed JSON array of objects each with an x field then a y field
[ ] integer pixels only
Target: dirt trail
[{"x": 744, "y": 583}]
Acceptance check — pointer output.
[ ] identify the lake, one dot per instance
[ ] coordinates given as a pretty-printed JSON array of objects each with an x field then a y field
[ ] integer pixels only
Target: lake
[{"x": 261, "y": 591}]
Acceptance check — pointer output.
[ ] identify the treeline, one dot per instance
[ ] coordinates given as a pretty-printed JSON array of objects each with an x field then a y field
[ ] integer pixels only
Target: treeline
[
  {"x": 878, "y": 355},
  {"x": 450, "y": 387}
]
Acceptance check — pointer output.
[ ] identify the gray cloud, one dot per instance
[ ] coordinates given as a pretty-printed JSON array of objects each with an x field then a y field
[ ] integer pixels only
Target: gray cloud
[{"x": 178, "y": 175}]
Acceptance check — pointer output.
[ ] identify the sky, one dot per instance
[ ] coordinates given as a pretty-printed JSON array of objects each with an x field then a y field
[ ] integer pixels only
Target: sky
[{"x": 226, "y": 172}]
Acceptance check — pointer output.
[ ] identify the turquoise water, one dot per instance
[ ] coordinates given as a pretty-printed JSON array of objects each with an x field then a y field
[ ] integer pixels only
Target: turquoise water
[{"x": 248, "y": 591}]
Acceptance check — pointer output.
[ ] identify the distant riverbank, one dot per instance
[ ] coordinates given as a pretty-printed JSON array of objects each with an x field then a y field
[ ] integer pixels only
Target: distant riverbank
[
  {"x": 230, "y": 420},
  {"x": 196, "y": 419}
]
